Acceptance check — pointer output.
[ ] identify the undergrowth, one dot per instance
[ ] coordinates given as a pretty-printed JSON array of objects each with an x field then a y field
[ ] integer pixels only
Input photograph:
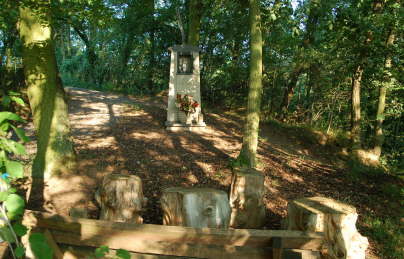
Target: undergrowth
[{"x": 382, "y": 223}]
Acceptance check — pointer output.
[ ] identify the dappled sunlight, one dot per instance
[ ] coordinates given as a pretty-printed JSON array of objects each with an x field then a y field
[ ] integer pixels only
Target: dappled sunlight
[
  {"x": 116, "y": 134},
  {"x": 148, "y": 135}
]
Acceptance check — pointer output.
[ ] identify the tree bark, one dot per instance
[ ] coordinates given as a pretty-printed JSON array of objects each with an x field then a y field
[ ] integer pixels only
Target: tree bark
[
  {"x": 356, "y": 143},
  {"x": 151, "y": 42},
  {"x": 356, "y": 109},
  {"x": 379, "y": 137},
  {"x": 195, "y": 207},
  {"x": 90, "y": 50},
  {"x": 289, "y": 90},
  {"x": 248, "y": 153},
  {"x": 55, "y": 154},
  {"x": 121, "y": 198},
  {"x": 246, "y": 199},
  {"x": 195, "y": 15}
]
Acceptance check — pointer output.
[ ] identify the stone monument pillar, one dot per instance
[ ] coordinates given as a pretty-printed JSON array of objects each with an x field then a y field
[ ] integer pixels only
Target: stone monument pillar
[{"x": 184, "y": 83}]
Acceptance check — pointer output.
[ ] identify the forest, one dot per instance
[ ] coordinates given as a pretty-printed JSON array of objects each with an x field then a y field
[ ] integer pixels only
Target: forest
[{"x": 291, "y": 75}]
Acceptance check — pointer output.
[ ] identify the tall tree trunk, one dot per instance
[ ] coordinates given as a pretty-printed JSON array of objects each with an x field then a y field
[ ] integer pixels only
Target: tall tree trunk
[
  {"x": 195, "y": 15},
  {"x": 248, "y": 153},
  {"x": 379, "y": 137},
  {"x": 313, "y": 81},
  {"x": 289, "y": 90},
  {"x": 301, "y": 65},
  {"x": 151, "y": 42},
  {"x": 356, "y": 108},
  {"x": 181, "y": 26},
  {"x": 125, "y": 54},
  {"x": 55, "y": 154},
  {"x": 356, "y": 143},
  {"x": 90, "y": 50},
  {"x": 68, "y": 41}
]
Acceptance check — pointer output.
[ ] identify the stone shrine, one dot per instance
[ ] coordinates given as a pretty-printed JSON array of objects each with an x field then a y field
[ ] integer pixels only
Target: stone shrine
[{"x": 184, "y": 97}]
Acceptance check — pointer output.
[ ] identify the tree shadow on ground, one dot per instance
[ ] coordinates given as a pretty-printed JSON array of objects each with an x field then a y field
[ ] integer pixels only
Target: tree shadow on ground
[{"x": 118, "y": 134}]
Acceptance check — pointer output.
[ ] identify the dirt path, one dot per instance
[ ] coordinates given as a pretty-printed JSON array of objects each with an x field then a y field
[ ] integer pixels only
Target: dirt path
[
  {"x": 120, "y": 134},
  {"x": 113, "y": 133}
]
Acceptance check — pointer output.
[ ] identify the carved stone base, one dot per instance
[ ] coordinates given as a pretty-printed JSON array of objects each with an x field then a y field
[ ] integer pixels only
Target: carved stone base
[
  {"x": 195, "y": 207},
  {"x": 337, "y": 220},
  {"x": 246, "y": 199},
  {"x": 176, "y": 127}
]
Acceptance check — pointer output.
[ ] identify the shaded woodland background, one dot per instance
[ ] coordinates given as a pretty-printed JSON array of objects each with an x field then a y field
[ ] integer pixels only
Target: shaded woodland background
[{"x": 311, "y": 50}]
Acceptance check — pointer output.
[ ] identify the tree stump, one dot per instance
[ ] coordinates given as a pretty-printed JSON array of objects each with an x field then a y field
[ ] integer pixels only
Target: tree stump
[
  {"x": 195, "y": 207},
  {"x": 246, "y": 199},
  {"x": 121, "y": 198},
  {"x": 337, "y": 220}
]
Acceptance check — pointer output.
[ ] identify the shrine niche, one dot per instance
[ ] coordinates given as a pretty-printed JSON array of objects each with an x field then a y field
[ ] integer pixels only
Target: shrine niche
[{"x": 184, "y": 97}]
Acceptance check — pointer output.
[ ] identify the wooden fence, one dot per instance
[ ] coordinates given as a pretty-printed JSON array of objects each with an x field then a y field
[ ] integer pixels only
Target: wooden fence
[{"x": 158, "y": 241}]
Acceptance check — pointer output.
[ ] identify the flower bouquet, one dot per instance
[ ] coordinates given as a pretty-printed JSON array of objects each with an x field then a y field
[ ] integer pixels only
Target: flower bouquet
[{"x": 187, "y": 105}]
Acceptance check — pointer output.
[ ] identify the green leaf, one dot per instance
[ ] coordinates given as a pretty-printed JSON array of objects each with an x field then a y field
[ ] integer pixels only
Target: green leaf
[
  {"x": 3, "y": 156},
  {"x": 20, "y": 229},
  {"x": 40, "y": 247},
  {"x": 14, "y": 205},
  {"x": 12, "y": 93},
  {"x": 13, "y": 147},
  {"x": 20, "y": 149},
  {"x": 123, "y": 254},
  {"x": 6, "y": 100},
  {"x": 18, "y": 100},
  {"x": 101, "y": 251},
  {"x": 6, "y": 234},
  {"x": 14, "y": 169},
  {"x": 4, "y": 126},
  {"x": 12, "y": 190},
  {"x": 3, "y": 196},
  {"x": 20, "y": 133},
  {"x": 19, "y": 251},
  {"x": 10, "y": 116}
]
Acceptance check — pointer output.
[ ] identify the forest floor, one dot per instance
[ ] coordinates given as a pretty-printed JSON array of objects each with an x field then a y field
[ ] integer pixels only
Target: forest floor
[{"x": 114, "y": 133}]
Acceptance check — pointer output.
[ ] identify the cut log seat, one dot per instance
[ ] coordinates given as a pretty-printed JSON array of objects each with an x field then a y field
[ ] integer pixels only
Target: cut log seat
[
  {"x": 121, "y": 198},
  {"x": 336, "y": 219},
  {"x": 195, "y": 207}
]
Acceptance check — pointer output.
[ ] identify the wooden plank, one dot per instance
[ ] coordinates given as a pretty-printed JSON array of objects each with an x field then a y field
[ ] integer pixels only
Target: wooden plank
[
  {"x": 164, "y": 247},
  {"x": 119, "y": 233},
  {"x": 57, "y": 254},
  {"x": 172, "y": 240},
  {"x": 293, "y": 242},
  {"x": 4, "y": 253},
  {"x": 86, "y": 252}
]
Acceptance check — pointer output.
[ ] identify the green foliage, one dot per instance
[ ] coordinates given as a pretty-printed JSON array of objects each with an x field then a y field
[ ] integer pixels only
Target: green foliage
[
  {"x": 101, "y": 251},
  {"x": 12, "y": 205},
  {"x": 19, "y": 251},
  {"x": 104, "y": 252},
  {"x": 123, "y": 254},
  {"x": 15, "y": 206},
  {"x": 40, "y": 247},
  {"x": 386, "y": 231}
]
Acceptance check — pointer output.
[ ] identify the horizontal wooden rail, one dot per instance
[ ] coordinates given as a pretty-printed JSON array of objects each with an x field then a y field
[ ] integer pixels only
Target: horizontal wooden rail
[
  {"x": 4, "y": 250},
  {"x": 171, "y": 240}
]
